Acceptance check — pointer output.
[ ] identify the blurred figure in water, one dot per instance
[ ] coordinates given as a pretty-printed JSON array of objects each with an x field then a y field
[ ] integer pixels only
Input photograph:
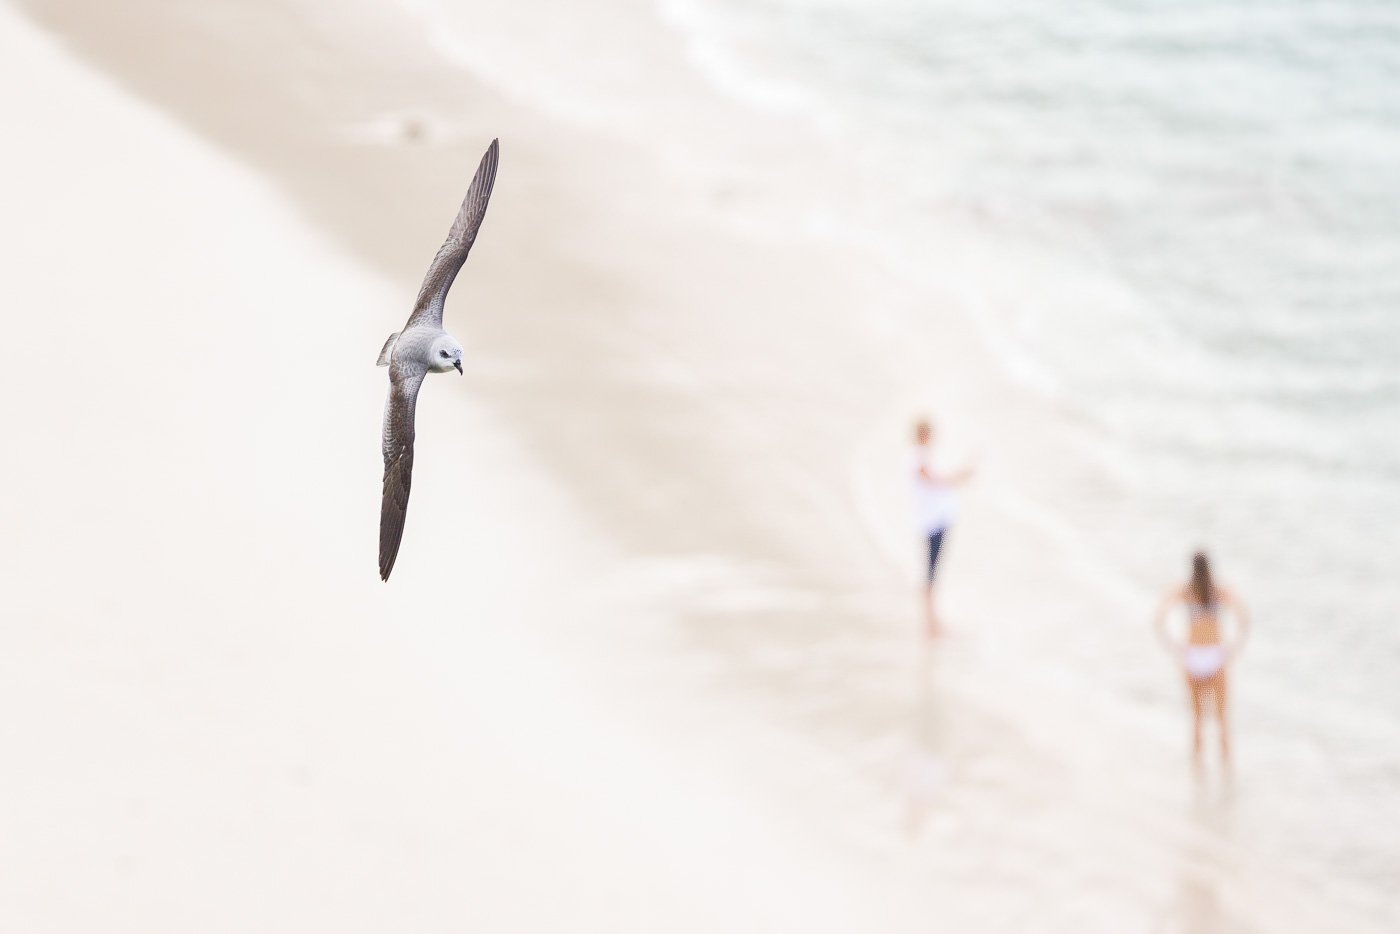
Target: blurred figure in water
[
  {"x": 1205, "y": 657},
  {"x": 935, "y": 506}
]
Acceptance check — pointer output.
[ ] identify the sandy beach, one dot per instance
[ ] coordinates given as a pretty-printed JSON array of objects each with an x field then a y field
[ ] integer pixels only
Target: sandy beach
[{"x": 649, "y": 659}]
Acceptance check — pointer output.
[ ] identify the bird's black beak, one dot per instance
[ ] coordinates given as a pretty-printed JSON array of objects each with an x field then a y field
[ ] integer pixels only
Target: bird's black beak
[{"x": 458, "y": 365}]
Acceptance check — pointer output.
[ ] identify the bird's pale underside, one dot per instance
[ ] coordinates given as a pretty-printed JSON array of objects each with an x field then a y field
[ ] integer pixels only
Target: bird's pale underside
[{"x": 423, "y": 347}]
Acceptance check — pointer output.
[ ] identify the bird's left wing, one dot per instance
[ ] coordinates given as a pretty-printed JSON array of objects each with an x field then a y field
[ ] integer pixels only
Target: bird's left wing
[
  {"x": 398, "y": 465},
  {"x": 449, "y": 259}
]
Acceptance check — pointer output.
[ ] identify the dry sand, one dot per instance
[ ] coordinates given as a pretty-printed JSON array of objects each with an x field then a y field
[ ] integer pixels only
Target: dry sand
[{"x": 645, "y": 662}]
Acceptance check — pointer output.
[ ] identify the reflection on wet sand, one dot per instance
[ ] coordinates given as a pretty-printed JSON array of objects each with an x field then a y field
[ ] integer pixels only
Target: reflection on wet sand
[
  {"x": 1198, "y": 903},
  {"x": 926, "y": 772},
  {"x": 1205, "y": 870}
]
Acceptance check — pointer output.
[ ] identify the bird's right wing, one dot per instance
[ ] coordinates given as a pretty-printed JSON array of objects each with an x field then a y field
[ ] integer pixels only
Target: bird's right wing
[
  {"x": 449, "y": 259},
  {"x": 398, "y": 465}
]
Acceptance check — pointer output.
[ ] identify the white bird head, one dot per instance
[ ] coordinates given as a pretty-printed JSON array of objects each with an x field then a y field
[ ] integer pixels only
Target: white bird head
[{"x": 445, "y": 354}]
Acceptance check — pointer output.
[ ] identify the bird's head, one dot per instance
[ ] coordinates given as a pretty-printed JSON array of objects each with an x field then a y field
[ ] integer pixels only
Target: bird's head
[{"x": 446, "y": 354}]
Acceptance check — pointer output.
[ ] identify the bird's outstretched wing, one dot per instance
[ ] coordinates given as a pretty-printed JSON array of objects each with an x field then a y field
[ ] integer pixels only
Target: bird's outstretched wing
[
  {"x": 449, "y": 259},
  {"x": 398, "y": 465}
]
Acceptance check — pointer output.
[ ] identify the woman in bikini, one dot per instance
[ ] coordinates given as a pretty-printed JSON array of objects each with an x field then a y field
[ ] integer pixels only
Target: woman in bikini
[{"x": 1205, "y": 657}]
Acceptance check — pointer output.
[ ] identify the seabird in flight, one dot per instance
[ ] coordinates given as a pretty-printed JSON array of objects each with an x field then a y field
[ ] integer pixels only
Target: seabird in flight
[{"x": 423, "y": 347}]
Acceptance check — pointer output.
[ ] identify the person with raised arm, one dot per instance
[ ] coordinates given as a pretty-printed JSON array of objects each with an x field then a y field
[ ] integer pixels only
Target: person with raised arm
[{"x": 935, "y": 507}]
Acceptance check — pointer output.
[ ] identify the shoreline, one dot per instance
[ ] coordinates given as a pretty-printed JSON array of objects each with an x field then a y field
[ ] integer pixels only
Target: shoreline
[{"x": 617, "y": 402}]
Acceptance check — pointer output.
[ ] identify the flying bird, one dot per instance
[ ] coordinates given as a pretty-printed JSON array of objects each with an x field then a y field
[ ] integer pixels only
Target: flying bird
[{"x": 423, "y": 347}]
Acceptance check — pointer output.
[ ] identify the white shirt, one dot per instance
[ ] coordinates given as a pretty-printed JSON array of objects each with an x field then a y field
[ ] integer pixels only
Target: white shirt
[{"x": 935, "y": 504}]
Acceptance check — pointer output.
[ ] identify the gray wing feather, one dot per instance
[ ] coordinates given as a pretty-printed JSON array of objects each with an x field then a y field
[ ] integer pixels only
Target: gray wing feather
[
  {"x": 398, "y": 464},
  {"x": 387, "y": 352},
  {"x": 449, "y": 259}
]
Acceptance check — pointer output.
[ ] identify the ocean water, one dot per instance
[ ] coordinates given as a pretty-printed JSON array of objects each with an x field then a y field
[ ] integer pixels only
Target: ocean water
[
  {"x": 1211, "y": 186},
  {"x": 1178, "y": 224},
  {"x": 1181, "y": 223}
]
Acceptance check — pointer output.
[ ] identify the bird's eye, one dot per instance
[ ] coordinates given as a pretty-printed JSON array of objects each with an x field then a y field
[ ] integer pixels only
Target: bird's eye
[{"x": 445, "y": 353}]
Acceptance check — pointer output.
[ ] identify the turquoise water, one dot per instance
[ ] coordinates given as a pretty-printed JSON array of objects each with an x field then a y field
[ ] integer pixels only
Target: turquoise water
[
  {"x": 1181, "y": 225},
  {"x": 1211, "y": 187}
]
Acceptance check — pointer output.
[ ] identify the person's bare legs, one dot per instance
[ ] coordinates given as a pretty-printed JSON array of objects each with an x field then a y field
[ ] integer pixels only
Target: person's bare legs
[
  {"x": 931, "y": 624},
  {"x": 1197, "y": 689},
  {"x": 1222, "y": 722}
]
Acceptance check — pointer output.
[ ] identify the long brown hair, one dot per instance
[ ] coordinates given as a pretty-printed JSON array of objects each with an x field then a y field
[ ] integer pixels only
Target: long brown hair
[{"x": 1202, "y": 587}]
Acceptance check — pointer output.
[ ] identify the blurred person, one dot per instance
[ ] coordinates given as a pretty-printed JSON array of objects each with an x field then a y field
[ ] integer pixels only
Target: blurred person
[
  {"x": 935, "y": 506},
  {"x": 1204, "y": 657}
]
